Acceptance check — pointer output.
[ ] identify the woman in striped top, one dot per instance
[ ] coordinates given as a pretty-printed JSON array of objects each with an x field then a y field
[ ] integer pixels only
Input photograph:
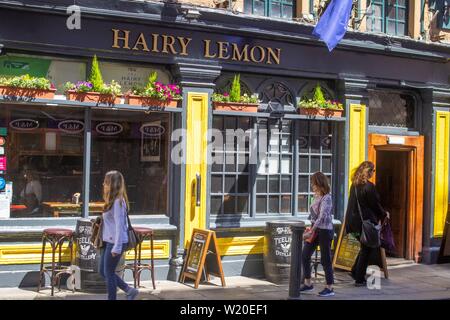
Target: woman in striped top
[{"x": 321, "y": 234}]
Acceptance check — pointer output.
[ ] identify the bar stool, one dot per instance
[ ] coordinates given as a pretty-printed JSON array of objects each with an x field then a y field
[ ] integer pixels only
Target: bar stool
[
  {"x": 56, "y": 237},
  {"x": 137, "y": 267}
]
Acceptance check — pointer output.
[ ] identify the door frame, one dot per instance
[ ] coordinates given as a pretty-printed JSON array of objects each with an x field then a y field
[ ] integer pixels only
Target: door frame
[{"x": 414, "y": 145}]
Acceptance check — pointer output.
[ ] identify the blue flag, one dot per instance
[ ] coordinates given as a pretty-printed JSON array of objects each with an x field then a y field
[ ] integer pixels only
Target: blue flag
[{"x": 332, "y": 25}]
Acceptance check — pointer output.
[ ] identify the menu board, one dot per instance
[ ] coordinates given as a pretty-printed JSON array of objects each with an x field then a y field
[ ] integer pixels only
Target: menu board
[
  {"x": 202, "y": 258},
  {"x": 347, "y": 251}
]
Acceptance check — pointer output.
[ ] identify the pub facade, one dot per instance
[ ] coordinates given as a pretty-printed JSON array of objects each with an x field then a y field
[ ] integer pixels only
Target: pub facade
[{"x": 395, "y": 94}]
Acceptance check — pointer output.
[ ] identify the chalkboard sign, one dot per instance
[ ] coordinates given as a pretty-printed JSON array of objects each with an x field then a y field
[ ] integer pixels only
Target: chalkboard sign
[
  {"x": 202, "y": 258},
  {"x": 347, "y": 251},
  {"x": 444, "y": 252}
]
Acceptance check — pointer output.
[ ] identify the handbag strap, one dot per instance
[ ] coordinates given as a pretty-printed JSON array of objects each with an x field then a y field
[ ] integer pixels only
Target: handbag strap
[{"x": 128, "y": 218}]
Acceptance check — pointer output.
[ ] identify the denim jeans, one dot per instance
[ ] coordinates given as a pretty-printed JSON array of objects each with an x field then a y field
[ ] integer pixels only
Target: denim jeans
[
  {"x": 108, "y": 265},
  {"x": 323, "y": 239}
]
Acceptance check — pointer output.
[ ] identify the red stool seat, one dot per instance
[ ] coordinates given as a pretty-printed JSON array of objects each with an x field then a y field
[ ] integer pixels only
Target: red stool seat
[
  {"x": 58, "y": 232},
  {"x": 143, "y": 231}
]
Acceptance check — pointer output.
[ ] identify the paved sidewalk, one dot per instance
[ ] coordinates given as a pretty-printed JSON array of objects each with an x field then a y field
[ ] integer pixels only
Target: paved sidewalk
[{"x": 411, "y": 282}]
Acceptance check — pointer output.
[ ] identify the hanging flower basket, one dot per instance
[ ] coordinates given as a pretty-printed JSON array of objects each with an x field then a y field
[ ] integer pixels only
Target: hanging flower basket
[
  {"x": 328, "y": 113},
  {"x": 26, "y": 92},
  {"x": 235, "y": 106},
  {"x": 150, "y": 102},
  {"x": 95, "y": 97}
]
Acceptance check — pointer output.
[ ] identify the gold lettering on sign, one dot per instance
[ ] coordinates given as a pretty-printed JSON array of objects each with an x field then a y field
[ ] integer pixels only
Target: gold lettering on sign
[
  {"x": 262, "y": 54},
  {"x": 223, "y": 50},
  {"x": 240, "y": 55},
  {"x": 207, "y": 49},
  {"x": 184, "y": 43},
  {"x": 168, "y": 44},
  {"x": 274, "y": 55},
  {"x": 125, "y": 39},
  {"x": 155, "y": 42},
  {"x": 141, "y": 42}
]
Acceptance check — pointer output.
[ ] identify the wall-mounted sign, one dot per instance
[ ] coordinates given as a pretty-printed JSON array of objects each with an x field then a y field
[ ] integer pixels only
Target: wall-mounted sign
[
  {"x": 152, "y": 130},
  {"x": 2, "y": 183},
  {"x": 2, "y": 141},
  {"x": 396, "y": 140},
  {"x": 151, "y": 141},
  {"x": 109, "y": 128},
  {"x": 71, "y": 126},
  {"x": 2, "y": 151},
  {"x": 24, "y": 124},
  {"x": 3, "y": 163}
]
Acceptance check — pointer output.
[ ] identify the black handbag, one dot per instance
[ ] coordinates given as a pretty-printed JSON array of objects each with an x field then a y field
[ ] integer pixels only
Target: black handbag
[
  {"x": 132, "y": 238},
  {"x": 370, "y": 232}
]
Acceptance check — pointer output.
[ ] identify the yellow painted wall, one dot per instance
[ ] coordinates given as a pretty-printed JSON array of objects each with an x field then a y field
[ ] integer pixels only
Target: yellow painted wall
[
  {"x": 441, "y": 171},
  {"x": 196, "y": 162},
  {"x": 30, "y": 253},
  {"x": 357, "y": 137}
]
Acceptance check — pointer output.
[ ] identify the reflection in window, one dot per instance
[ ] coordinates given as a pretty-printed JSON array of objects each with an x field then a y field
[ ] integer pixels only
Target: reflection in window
[
  {"x": 391, "y": 109},
  {"x": 387, "y": 16},
  {"x": 230, "y": 170},
  {"x": 314, "y": 141},
  {"x": 270, "y": 8},
  {"x": 274, "y": 171},
  {"x": 44, "y": 152},
  {"x": 136, "y": 145}
]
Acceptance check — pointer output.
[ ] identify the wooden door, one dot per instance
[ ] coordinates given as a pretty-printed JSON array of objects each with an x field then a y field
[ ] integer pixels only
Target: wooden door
[
  {"x": 392, "y": 185},
  {"x": 414, "y": 148}
]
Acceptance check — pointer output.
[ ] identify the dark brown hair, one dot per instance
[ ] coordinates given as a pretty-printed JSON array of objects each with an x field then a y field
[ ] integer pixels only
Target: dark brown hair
[{"x": 321, "y": 182}]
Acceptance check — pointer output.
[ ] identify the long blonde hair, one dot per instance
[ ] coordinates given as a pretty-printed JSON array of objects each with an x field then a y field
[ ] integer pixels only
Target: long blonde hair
[
  {"x": 362, "y": 173},
  {"x": 114, "y": 188}
]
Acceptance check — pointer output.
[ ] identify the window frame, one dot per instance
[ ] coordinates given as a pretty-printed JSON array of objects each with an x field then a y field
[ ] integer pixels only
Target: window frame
[
  {"x": 268, "y": 7},
  {"x": 385, "y": 17},
  {"x": 217, "y": 221}
]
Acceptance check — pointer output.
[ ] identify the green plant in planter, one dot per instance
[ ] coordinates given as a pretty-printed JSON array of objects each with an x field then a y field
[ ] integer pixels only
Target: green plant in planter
[
  {"x": 319, "y": 102},
  {"x": 96, "y": 76},
  {"x": 157, "y": 90},
  {"x": 27, "y": 82},
  {"x": 235, "y": 94},
  {"x": 95, "y": 83}
]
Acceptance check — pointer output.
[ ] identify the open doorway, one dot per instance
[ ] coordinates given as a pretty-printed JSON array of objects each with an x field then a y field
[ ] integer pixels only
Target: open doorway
[
  {"x": 399, "y": 180},
  {"x": 392, "y": 179}
]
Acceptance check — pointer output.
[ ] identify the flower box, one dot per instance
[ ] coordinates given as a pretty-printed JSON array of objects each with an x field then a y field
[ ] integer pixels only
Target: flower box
[
  {"x": 93, "y": 97},
  {"x": 328, "y": 113},
  {"x": 234, "y": 106},
  {"x": 150, "y": 102},
  {"x": 27, "y": 92}
]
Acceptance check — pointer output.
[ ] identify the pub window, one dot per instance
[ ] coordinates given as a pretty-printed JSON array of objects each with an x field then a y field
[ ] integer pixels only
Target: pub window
[
  {"x": 274, "y": 171},
  {"x": 137, "y": 146},
  {"x": 391, "y": 109},
  {"x": 42, "y": 159},
  {"x": 387, "y": 16},
  {"x": 270, "y": 8},
  {"x": 314, "y": 154}
]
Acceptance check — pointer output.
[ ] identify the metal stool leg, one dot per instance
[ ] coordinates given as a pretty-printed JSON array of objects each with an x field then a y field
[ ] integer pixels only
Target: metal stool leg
[
  {"x": 41, "y": 270},
  {"x": 53, "y": 266},
  {"x": 152, "y": 271},
  {"x": 135, "y": 265},
  {"x": 139, "y": 264}
]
